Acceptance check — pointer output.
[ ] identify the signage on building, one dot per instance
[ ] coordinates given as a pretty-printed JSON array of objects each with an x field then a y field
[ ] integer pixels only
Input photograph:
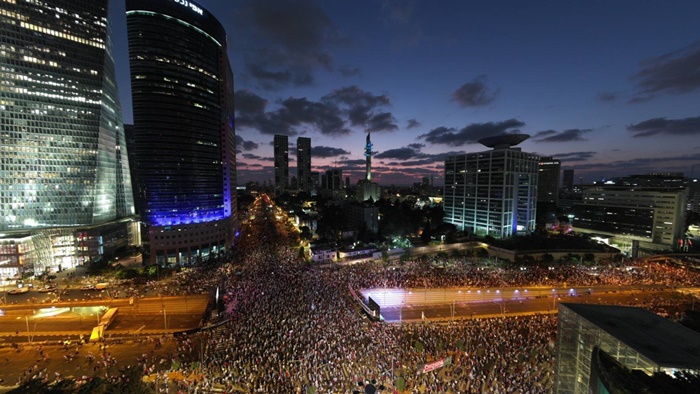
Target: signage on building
[{"x": 190, "y": 5}]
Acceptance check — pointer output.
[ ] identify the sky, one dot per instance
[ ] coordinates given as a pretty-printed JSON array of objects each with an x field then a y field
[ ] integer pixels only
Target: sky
[{"x": 611, "y": 88}]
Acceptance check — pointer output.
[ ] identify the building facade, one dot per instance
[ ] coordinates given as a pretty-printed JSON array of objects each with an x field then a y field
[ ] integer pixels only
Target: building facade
[
  {"x": 548, "y": 170},
  {"x": 64, "y": 170},
  {"x": 184, "y": 138},
  {"x": 366, "y": 189},
  {"x": 304, "y": 164},
  {"x": 281, "y": 155},
  {"x": 568, "y": 181},
  {"x": 654, "y": 217},
  {"x": 493, "y": 192}
]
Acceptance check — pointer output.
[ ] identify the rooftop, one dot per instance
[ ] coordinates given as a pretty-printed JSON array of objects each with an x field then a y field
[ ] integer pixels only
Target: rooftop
[
  {"x": 503, "y": 141},
  {"x": 660, "y": 340}
]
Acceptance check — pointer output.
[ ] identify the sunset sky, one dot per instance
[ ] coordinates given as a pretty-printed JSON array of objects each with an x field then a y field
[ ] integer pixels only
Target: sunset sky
[{"x": 609, "y": 87}]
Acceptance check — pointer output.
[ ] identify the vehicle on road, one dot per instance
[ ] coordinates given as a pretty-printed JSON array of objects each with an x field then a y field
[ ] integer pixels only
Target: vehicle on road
[
  {"x": 21, "y": 290},
  {"x": 48, "y": 289},
  {"x": 101, "y": 286},
  {"x": 88, "y": 287}
]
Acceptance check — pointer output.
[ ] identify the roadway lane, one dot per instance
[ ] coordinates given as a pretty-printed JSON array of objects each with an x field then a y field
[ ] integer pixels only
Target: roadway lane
[
  {"x": 512, "y": 307},
  {"x": 151, "y": 315}
]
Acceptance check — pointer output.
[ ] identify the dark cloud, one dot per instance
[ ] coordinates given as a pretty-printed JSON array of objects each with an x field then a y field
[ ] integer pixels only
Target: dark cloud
[
  {"x": 327, "y": 151},
  {"x": 251, "y": 156},
  {"x": 361, "y": 108},
  {"x": 286, "y": 41},
  {"x": 474, "y": 94},
  {"x": 398, "y": 153},
  {"x": 355, "y": 162},
  {"x": 676, "y": 72},
  {"x": 472, "y": 133},
  {"x": 561, "y": 136},
  {"x": 412, "y": 123},
  {"x": 608, "y": 97},
  {"x": 647, "y": 128},
  {"x": 245, "y": 145},
  {"x": 248, "y": 102},
  {"x": 384, "y": 121},
  {"x": 574, "y": 156},
  {"x": 349, "y": 71},
  {"x": 416, "y": 146},
  {"x": 293, "y": 115}
]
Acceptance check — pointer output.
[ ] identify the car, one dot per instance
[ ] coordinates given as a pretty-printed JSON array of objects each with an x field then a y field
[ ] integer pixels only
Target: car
[
  {"x": 88, "y": 287},
  {"x": 48, "y": 289},
  {"x": 21, "y": 290}
]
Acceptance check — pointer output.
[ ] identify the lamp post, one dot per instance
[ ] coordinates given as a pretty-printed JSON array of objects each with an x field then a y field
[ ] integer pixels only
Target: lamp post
[{"x": 26, "y": 319}]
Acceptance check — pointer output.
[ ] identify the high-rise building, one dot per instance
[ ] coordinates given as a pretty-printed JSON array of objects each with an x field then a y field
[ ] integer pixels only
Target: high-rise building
[
  {"x": 304, "y": 163},
  {"x": 65, "y": 187},
  {"x": 493, "y": 192},
  {"x": 636, "y": 338},
  {"x": 568, "y": 182},
  {"x": 548, "y": 170},
  {"x": 366, "y": 189},
  {"x": 333, "y": 179},
  {"x": 651, "y": 215},
  {"x": 184, "y": 139},
  {"x": 281, "y": 155}
]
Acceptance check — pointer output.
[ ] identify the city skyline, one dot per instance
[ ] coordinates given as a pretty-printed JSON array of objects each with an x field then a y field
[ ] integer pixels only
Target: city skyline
[{"x": 610, "y": 89}]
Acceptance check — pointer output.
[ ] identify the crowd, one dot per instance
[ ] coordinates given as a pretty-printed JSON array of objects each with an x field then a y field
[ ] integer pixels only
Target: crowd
[
  {"x": 290, "y": 327},
  {"x": 293, "y": 327}
]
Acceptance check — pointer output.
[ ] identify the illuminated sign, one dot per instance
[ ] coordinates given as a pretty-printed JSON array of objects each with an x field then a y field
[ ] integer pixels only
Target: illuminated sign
[{"x": 190, "y": 5}]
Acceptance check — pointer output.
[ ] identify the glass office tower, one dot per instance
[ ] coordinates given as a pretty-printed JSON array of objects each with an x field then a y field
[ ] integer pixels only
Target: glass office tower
[
  {"x": 63, "y": 159},
  {"x": 184, "y": 138},
  {"x": 494, "y": 192}
]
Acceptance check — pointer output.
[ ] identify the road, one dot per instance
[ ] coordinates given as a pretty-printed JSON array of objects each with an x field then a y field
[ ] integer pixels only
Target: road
[
  {"x": 433, "y": 309},
  {"x": 151, "y": 315}
]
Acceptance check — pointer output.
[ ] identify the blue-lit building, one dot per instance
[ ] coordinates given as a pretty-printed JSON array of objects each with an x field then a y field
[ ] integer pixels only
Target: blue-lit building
[
  {"x": 65, "y": 188},
  {"x": 493, "y": 192},
  {"x": 184, "y": 137}
]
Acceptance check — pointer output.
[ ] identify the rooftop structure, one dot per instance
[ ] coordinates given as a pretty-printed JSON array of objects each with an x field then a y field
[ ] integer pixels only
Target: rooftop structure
[{"x": 635, "y": 337}]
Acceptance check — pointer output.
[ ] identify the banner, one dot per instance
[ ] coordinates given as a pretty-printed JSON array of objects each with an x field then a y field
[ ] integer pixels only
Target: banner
[{"x": 434, "y": 365}]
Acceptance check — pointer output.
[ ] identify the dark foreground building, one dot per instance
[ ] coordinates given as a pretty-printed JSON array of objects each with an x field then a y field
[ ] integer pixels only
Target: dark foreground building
[
  {"x": 184, "y": 138},
  {"x": 636, "y": 338}
]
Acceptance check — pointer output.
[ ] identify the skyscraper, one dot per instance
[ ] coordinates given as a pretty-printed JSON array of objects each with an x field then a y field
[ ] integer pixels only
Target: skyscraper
[
  {"x": 493, "y": 192},
  {"x": 568, "y": 182},
  {"x": 184, "y": 139},
  {"x": 304, "y": 163},
  {"x": 281, "y": 155},
  {"x": 548, "y": 170},
  {"x": 65, "y": 183}
]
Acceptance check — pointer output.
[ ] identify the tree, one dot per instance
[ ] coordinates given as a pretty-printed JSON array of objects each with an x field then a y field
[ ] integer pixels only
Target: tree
[{"x": 305, "y": 233}]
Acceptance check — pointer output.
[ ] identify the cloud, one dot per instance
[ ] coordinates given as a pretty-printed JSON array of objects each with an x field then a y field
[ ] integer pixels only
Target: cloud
[
  {"x": 561, "y": 136},
  {"x": 474, "y": 93},
  {"x": 398, "y": 153},
  {"x": 412, "y": 123},
  {"x": 251, "y": 156},
  {"x": 399, "y": 19},
  {"x": 575, "y": 156},
  {"x": 349, "y": 71},
  {"x": 676, "y": 72},
  {"x": 470, "y": 134},
  {"x": 361, "y": 108},
  {"x": 245, "y": 145},
  {"x": 248, "y": 102},
  {"x": 655, "y": 126},
  {"x": 327, "y": 151},
  {"x": 285, "y": 41},
  {"x": 608, "y": 97}
]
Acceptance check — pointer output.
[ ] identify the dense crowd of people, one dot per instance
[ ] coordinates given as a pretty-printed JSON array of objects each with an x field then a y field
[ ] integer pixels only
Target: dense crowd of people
[
  {"x": 289, "y": 327},
  {"x": 293, "y": 327}
]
